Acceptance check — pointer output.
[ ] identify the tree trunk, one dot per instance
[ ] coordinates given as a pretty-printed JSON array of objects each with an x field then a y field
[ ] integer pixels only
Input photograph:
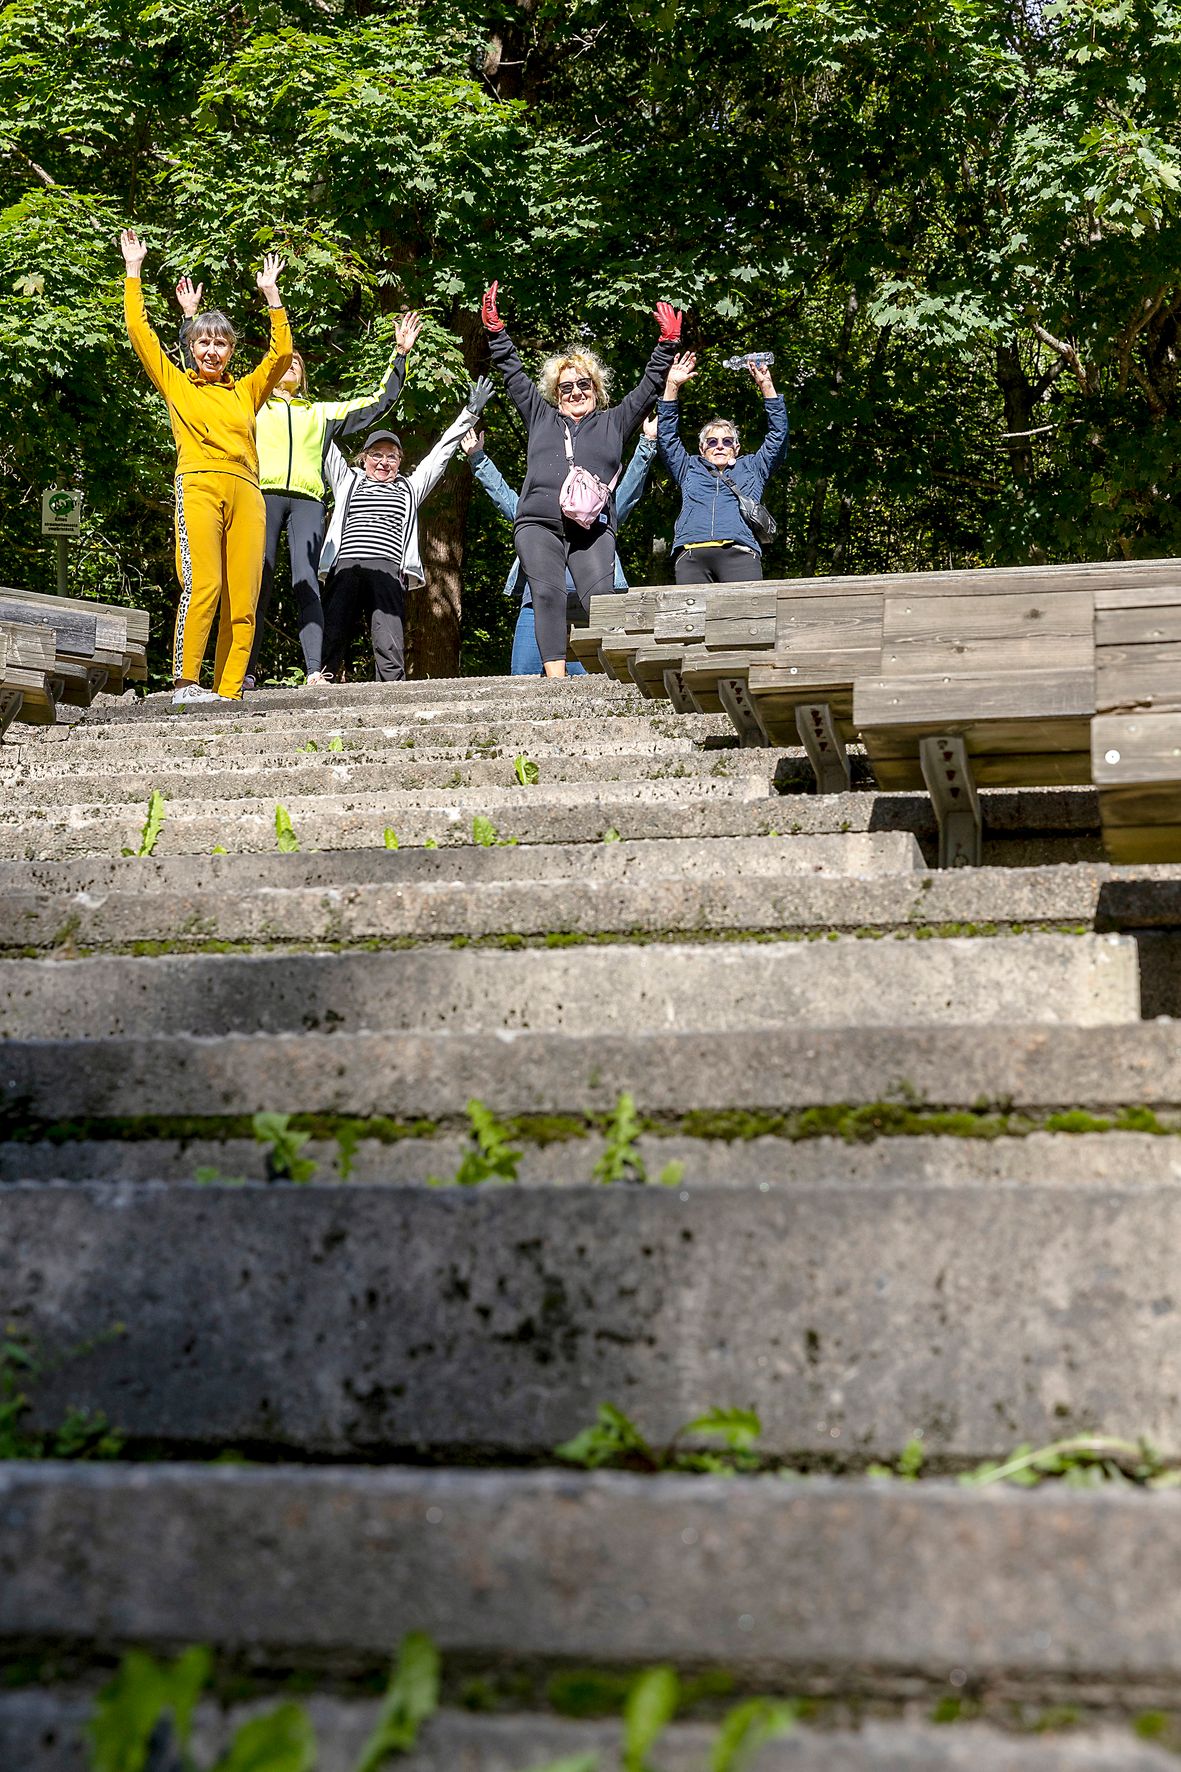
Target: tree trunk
[
  {"x": 433, "y": 619},
  {"x": 1017, "y": 395}
]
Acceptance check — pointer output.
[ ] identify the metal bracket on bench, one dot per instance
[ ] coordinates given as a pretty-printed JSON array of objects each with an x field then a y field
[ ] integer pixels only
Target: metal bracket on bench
[
  {"x": 10, "y": 707},
  {"x": 735, "y": 697},
  {"x": 674, "y": 688},
  {"x": 825, "y": 748},
  {"x": 96, "y": 677},
  {"x": 948, "y": 775}
]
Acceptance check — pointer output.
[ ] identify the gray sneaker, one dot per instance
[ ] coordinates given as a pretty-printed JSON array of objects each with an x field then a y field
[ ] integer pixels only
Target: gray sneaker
[{"x": 191, "y": 694}]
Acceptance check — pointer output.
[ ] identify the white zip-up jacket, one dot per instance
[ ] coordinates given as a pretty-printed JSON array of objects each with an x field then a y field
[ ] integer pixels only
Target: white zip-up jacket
[{"x": 425, "y": 477}]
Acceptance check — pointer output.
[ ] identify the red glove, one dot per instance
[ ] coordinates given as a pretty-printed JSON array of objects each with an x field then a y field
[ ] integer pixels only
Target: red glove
[
  {"x": 492, "y": 320},
  {"x": 668, "y": 319}
]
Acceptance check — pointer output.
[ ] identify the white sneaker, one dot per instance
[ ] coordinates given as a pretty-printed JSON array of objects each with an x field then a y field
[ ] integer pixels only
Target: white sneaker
[
  {"x": 189, "y": 694},
  {"x": 318, "y": 679}
]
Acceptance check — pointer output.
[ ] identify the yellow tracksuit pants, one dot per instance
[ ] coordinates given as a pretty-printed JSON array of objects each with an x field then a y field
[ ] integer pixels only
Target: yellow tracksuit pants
[{"x": 221, "y": 528}]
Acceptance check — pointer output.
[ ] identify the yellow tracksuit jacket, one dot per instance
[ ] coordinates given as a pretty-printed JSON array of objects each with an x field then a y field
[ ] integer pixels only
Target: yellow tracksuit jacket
[{"x": 220, "y": 515}]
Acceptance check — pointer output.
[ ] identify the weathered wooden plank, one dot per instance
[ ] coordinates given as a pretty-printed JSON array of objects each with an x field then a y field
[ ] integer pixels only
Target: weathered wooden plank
[
  {"x": 934, "y": 700},
  {"x": 682, "y": 627},
  {"x": 136, "y": 622},
  {"x": 648, "y": 668},
  {"x": 986, "y": 738},
  {"x": 1147, "y": 804},
  {"x": 738, "y": 631},
  {"x": 1002, "y": 618},
  {"x": 1138, "y": 676},
  {"x": 31, "y": 647},
  {"x": 1139, "y": 843},
  {"x": 700, "y": 666},
  {"x": 1024, "y": 655},
  {"x": 38, "y": 704},
  {"x": 1094, "y": 577},
  {"x": 1034, "y": 769},
  {"x": 1136, "y": 748},
  {"x": 1141, "y": 594},
  {"x": 826, "y": 665},
  {"x": 1137, "y": 626}
]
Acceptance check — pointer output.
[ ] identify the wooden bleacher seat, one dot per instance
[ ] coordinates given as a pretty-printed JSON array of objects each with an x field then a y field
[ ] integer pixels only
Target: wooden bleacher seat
[{"x": 1136, "y": 733}]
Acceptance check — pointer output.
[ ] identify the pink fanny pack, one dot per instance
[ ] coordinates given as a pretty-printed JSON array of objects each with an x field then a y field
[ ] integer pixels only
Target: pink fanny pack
[{"x": 584, "y": 496}]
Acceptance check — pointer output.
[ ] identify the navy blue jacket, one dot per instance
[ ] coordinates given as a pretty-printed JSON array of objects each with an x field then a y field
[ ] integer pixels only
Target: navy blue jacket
[{"x": 709, "y": 510}]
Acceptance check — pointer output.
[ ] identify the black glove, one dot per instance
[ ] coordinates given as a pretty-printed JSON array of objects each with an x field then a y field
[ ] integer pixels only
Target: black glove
[{"x": 479, "y": 395}]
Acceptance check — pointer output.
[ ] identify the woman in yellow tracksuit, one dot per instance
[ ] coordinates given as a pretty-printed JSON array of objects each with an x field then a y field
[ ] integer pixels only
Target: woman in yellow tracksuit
[{"x": 220, "y": 515}]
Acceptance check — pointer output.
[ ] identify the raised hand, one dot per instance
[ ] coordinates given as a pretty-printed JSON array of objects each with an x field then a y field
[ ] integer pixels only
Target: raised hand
[
  {"x": 649, "y": 428},
  {"x": 189, "y": 296},
  {"x": 479, "y": 395},
  {"x": 472, "y": 441},
  {"x": 406, "y": 332},
  {"x": 134, "y": 252},
  {"x": 669, "y": 320},
  {"x": 682, "y": 369},
  {"x": 762, "y": 380},
  {"x": 492, "y": 320},
  {"x": 268, "y": 278}
]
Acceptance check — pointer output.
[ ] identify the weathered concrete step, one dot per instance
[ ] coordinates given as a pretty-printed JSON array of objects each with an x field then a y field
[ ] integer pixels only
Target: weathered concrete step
[
  {"x": 425, "y": 730},
  {"x": 606, "y": 904},
  {"x": 301, "y": 775},
  {"x": 413, "y": 1076},
  {"x": 45, "y": 1731},
  {"x": 1081, "y": 980},
  {"x": 468, "y": 1323},
  {"x": 1029, "y": 826},
  {"x": 821, "y": 1582},
  {"x": 361, "y": 698},
  {"x": 731, "y": 859},
  {"x": 720, "y": 1153}
]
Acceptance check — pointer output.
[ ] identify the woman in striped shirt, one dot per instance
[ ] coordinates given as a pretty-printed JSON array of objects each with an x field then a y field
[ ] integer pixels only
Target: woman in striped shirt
[{"x": 371, "y": 554}]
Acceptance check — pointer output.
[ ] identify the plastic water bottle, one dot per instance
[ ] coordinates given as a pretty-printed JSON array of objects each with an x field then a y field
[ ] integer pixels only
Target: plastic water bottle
[{"x": 759, "y": 359}]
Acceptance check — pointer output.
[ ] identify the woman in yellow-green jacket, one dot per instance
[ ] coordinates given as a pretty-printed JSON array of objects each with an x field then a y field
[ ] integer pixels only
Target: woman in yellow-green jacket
[{"x": 294, "y": 434}]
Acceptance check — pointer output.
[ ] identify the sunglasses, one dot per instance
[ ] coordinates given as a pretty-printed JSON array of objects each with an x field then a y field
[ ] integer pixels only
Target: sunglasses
[
  {"x": 582, "y": 385},
  {"x": 720, "y": 443}
]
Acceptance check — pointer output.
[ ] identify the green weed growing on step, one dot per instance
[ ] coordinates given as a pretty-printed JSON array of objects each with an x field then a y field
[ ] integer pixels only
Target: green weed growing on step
[
  {"x": 526, "y": 771},
  {"x": 490, "y": 1157},
  {"x": 285, "y": 837},
  {"x": 348, "y": 1137},
  {"x": 336, "y": 742},
  {"x": 209, "y": 1175},
  {"x": 284, "y": 1162},
  {"x": 311, "y": 745},
  {"x": 144, "y": 1716},
  {"x": 614, "y": 1442},
  {"x": 389, "y": 837},
  {"x": 484, "y": 833},
  {"x": 153, "y": 825},
  {"x": 1085, "y": 1461},
  {"x": 83, "y": 1434},
  {"x": 621, "y": 1159},
  {"x": 611, "y": 835},
  {"x": 430, "y": 843},
  {"x": 910, "y": 1463}
]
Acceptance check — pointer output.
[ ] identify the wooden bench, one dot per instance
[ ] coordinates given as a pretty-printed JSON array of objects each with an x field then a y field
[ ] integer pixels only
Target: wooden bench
[
  {"x": 28, "y": 688},
  {"x": 102, "y": 646}
]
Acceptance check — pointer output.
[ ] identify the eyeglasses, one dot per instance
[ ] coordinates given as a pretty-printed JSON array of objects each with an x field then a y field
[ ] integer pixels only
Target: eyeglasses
[
  {"x": 582, "y": 385},
  {"x": 384, "y": 461},
  {"x": 720, "y": 443}
]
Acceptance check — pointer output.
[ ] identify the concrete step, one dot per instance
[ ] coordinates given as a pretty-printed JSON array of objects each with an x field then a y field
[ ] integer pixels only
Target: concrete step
[
  {"x": 45, "y": 1732},
  {"x": 732, "y": 859},
  {"x": 872, "y": 897},
  {"x": 475, "y": 1323},
  {"x": 284, "y": 733},
  {"x": 1082, "y": 980},
  {"x": 769, "y": 1071},
  {"x": 302, "y": 775},
  {"x": 1028, "y": 827},
  {"x": 803, "y": 1585}
]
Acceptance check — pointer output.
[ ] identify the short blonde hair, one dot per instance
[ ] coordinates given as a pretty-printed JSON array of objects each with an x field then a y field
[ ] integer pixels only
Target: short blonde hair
[{"x": 586, "y": 362}]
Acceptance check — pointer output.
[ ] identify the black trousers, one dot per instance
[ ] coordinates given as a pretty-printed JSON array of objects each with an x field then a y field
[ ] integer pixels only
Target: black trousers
[
  {"x": 546, "y": 555},
  {"x": 303, "y": 519},
  {"x": 357, "y": 589},
  {"x": 716, "y": 566}
]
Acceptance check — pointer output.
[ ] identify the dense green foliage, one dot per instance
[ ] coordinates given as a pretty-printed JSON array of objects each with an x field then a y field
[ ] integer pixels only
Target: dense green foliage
[{"x": 955, "y": 222}]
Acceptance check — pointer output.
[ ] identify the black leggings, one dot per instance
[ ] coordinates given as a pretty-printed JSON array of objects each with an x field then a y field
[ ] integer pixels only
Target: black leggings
[
  {"x": 373, "y": 588},
  {"x": 303, "y": 519},
  {"x": 717, "y": 566},
  {"x": 546, "y": 555}
]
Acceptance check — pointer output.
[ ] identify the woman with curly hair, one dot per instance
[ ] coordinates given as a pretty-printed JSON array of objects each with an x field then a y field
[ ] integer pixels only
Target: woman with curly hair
[{"x": 571, "y": 428}]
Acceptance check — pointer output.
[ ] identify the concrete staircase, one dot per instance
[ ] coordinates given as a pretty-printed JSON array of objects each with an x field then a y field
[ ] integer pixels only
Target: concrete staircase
[{"x": 918, "y": 1139}]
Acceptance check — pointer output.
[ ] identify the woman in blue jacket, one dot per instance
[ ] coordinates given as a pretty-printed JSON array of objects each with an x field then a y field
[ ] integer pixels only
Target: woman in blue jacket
[
  {"x": 526, "y": 654},
  {"x": 712, "y": 543}
]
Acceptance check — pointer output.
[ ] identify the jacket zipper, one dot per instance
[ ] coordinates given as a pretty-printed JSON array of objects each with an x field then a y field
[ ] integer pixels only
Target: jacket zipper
[{"x": 290, "y": 447}]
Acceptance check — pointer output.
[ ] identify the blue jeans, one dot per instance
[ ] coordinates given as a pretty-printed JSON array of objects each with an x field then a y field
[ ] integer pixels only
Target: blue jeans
[{"x": 526, "y": 660}]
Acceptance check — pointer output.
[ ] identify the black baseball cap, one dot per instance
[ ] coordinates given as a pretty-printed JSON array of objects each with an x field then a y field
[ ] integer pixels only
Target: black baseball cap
[{"x": 382, "y": 437}]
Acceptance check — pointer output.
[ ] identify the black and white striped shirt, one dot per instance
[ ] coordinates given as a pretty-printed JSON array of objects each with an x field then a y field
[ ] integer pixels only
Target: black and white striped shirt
[{"x": 376, "y": 522}]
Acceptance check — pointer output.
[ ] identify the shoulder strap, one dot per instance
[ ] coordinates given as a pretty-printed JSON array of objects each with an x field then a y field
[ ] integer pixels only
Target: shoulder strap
[{"x": 568, "y": 443}]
